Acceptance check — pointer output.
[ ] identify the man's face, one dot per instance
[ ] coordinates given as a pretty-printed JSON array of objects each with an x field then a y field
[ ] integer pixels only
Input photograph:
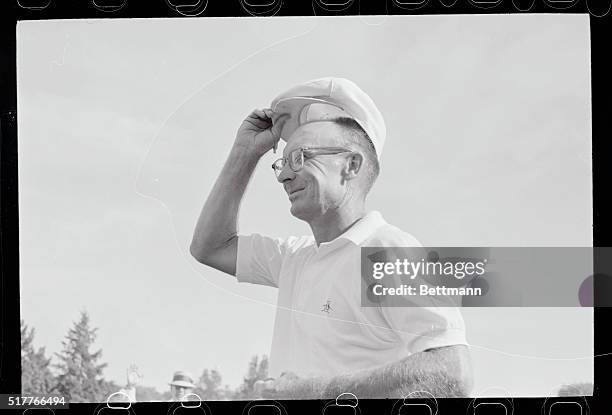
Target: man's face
[
  {"x": 319, "y": 186},
  {"x": 179, "y": 392}
]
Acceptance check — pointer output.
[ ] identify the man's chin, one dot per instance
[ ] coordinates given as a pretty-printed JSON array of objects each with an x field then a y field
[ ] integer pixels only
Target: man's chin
[
  {"x": 295, "y": 210},
  {"x": 298, "y": 211}
]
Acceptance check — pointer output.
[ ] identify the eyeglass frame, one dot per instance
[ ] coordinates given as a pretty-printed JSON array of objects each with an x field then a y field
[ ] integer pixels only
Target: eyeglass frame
[{"x": 322, "y": 151}]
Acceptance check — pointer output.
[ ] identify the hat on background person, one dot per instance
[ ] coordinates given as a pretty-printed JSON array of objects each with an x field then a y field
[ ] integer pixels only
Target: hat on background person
[
  {"x": 182, "y": 379},
  {"x": 329, "y": 98}
]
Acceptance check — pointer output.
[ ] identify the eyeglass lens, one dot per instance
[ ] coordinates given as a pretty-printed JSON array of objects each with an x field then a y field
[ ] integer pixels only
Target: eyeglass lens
[{"x": 295, "y": 160}]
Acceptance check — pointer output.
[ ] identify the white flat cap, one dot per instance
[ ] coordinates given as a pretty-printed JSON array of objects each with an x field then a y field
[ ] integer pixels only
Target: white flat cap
[{"x": 329, "y": 98}]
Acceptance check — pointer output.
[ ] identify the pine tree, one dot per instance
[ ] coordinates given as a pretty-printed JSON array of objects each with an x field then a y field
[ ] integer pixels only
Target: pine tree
[
  {"x": 258, "y": 370},
  {"x": 262, "y": 368},
  {"x": 209, "y": 385},
  {"x": 80, "y": 375},
  {"x": 36, "y": 375}
]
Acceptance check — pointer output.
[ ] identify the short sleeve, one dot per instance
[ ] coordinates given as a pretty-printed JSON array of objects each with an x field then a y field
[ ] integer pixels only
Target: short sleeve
[
  {"x": 260, "y": 258},
  {"x": 422, "y": 328},
  {"x": 420, "y": 322}
]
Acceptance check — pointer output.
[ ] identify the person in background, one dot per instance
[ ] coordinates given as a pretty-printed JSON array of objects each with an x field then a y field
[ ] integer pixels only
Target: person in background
[
  {"x": 181, "y": 385},
  {"x": 133, "y": 380}
]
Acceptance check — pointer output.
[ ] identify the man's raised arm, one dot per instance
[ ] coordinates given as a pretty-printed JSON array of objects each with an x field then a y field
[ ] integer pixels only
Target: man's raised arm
[{"x": 215, "y": 239}]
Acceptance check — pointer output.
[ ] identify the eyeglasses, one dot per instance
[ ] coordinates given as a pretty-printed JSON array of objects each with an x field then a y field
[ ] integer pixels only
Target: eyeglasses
[{"x": 296, "y": 157}]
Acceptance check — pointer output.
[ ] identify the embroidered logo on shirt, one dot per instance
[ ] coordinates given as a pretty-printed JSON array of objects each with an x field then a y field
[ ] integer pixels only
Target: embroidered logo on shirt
[{"x": 327, "y": 307}]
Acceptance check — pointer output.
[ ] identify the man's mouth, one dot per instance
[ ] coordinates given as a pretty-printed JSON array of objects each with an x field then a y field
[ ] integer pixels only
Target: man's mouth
[{"x": 293, "y": 193}]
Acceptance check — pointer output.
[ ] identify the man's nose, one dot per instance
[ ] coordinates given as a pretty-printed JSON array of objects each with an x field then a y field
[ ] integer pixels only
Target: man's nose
[{"x": 285, "y": 174}]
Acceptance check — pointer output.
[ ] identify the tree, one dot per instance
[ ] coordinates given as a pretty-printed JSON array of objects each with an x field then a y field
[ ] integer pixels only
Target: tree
[
  {"x": 576, "y": 389},
  {"x": 209, "y": 386},
  {"x": 258, "y": 370},
  {"x": 36, "y": 375},
  {"x": 228, "y": 394},
  {"x": 80, "y": 375}
]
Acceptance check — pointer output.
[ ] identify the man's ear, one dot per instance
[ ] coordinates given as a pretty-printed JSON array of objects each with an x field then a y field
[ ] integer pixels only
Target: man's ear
[{"x": 354, "y": 165}]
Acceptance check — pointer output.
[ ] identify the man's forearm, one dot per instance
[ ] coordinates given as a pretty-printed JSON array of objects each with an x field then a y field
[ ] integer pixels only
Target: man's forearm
[
  {"x": 217, "y": 223},
  {"x": 443, "y": 372}
]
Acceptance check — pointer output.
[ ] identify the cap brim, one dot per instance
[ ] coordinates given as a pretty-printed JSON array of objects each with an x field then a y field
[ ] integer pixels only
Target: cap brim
[
  {"x": 182, "y": 384},
  {"x": 294, "y": 106}
]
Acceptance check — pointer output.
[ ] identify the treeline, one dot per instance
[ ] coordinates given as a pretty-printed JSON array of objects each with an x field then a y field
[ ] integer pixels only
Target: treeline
[{"x": 77, "y": 371}]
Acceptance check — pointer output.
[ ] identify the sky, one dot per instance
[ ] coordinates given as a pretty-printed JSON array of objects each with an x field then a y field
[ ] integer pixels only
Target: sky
[{"x": 124, "y": 125}]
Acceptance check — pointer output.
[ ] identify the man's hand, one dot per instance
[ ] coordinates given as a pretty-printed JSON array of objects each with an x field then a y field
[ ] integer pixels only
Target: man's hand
[
  {"x": 133, "y": 376},
  {"x": 258, "y": 133}
]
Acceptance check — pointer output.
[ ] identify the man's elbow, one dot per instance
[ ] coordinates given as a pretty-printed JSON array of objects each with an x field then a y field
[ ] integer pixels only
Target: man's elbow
[
  {"x": 455, "y": 378},
  {"x": 450, "y": 384},
  {"x": 464, "y": 375},
  {"x": 464, "y": 384},
  {"x": 221, "y": 257},
  {"x": 199, "y": 253}
]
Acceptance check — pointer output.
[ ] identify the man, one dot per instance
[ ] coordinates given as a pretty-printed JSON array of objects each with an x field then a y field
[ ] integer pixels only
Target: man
[
  {"x": 133, "y": 380},
  {"x": 325, "y": 343},
  {"x": 181, "y": 385}
]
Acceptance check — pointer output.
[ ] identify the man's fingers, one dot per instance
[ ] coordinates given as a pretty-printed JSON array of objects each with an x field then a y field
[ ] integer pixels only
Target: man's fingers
[
  {"x": 277, "y": 127},
  {"x": 259, "y": 113},
  {"x": 266, "y": 119},
  {"x": 259, "y": 117},
  {"x": 259, "y": 123},
  {"x": 268, "y": 112}
]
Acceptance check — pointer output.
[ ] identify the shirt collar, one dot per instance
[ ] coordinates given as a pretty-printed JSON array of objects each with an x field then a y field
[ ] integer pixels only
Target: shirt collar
[{"x": 360, "y": 230}]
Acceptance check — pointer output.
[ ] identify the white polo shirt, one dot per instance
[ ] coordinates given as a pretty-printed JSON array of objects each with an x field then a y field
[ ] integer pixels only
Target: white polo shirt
[{"x": 321, "y": 329}]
